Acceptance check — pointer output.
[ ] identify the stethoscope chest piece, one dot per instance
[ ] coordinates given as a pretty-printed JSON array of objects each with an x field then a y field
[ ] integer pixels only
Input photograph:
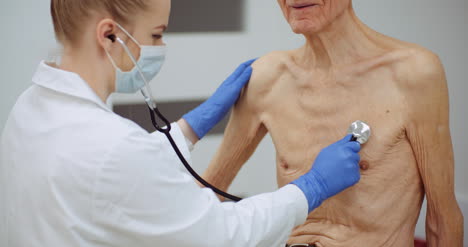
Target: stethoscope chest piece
[{"x": 361, "y": 131}]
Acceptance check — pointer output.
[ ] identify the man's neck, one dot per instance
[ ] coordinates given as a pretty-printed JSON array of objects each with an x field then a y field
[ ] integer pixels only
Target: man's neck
[
  {"x": 90, "y": 71},
  {"x": 345, "y": 41}
]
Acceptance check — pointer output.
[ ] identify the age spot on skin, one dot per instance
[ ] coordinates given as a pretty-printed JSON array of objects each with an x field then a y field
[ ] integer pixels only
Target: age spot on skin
[
  {"x": 388, "y": 111},
  {"x": 364, "y": 165}
]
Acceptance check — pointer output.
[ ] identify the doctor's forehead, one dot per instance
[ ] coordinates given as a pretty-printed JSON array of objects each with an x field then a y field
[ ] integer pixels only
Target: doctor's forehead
[{"x": 156, "y": 13}]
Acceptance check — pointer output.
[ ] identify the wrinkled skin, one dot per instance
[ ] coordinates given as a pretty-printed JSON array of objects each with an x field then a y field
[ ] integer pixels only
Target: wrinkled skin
[{"x": 306, "y": 99}]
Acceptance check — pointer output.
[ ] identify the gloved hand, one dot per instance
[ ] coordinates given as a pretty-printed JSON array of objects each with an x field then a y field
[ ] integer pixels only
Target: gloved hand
[
  {"x": 203, "y": 118},
  {"x": 335, "y": 169}
]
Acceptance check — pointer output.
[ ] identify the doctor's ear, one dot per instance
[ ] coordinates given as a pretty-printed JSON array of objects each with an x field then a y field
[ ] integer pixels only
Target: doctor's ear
[{"x": 106, "y": 33}]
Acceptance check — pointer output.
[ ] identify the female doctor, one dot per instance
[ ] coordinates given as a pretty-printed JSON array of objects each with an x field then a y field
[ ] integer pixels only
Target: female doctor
[{"x": 73, "y": 173}]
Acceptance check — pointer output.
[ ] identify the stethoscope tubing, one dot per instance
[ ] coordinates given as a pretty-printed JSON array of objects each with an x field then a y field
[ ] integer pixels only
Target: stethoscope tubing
[{"x": 166, "y": 131}]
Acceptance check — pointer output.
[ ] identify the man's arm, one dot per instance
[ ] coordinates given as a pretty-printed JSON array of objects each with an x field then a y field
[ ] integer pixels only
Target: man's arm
[
  {"x": 243, "y": 132},
  {"x": 429, "y": 134}
]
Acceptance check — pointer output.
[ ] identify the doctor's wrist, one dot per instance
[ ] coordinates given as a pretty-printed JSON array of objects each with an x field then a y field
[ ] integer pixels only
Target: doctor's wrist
[
  {"x": 188, "y": 131},
  {"x": 312, "y": 185}
]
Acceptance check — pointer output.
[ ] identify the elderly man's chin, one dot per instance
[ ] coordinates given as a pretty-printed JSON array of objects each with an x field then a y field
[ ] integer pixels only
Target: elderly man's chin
[{"x": 307, "y": 27}]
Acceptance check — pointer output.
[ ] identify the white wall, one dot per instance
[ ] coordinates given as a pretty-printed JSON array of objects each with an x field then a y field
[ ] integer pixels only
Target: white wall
[{"x": 199, "y": 62}]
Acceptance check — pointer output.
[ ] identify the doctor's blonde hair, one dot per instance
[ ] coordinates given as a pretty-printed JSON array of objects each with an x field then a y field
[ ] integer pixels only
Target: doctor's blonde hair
[{"x": 69, "y": 15}]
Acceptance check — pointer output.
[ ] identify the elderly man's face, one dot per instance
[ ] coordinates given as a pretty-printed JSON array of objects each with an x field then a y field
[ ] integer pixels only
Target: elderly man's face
[{"x": 311, "y": 16}]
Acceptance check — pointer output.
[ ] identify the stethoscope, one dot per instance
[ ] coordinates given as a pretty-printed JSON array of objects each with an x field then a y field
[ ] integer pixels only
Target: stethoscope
[
  {"x": 155, "y": 113},
  {"x": 166, "y": 131},
  {"x": 360, "y": 131}
]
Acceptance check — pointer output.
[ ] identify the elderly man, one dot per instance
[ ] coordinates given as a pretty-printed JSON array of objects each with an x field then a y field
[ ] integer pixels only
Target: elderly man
[{"x": 306, "y": 98}]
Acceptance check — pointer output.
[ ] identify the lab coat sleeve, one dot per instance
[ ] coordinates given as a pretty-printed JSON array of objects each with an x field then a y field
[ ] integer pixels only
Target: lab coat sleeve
[
  {"x": 142, "y": 199},
  {"x": 184, "y": 144}
]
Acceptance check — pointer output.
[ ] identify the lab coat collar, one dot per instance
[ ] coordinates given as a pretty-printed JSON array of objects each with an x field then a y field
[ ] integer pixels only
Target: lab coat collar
[{"x": 66, "y": 82}]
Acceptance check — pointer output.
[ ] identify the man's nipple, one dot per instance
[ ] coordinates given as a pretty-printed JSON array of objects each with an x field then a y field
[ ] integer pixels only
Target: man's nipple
[
  {"x": 284, "y": 165},
  {"x": 364, "y": 165}
]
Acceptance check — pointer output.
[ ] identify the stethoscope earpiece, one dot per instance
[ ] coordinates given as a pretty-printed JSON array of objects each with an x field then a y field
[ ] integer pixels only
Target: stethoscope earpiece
[{"x": 112, "y": 37}]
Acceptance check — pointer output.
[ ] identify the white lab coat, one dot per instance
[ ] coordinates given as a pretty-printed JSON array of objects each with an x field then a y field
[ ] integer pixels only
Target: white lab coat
[{"x": 73, "y": 174}]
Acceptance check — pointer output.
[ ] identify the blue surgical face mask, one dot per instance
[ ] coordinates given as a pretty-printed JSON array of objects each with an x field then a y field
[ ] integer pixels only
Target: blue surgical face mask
[{"x": 146, "y": 68}]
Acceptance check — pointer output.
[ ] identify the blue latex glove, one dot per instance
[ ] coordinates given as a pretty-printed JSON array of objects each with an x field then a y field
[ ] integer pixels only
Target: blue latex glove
[
  {"x": 203, "y": 118},
  {"x": 335, "y": 169}
]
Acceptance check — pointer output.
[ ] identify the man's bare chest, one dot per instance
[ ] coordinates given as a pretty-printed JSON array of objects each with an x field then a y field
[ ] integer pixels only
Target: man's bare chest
[{"x": 307, "y": 118}]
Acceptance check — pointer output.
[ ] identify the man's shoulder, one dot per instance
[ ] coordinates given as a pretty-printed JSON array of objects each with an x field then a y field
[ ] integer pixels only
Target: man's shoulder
[
  {"x": 421, "y": 77},
  {"x": 266, "y": 72},
  {"x": 268, "y": 68},
  {"x": 275, "y": 58},
  {"x": 419, "y": 67}
]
